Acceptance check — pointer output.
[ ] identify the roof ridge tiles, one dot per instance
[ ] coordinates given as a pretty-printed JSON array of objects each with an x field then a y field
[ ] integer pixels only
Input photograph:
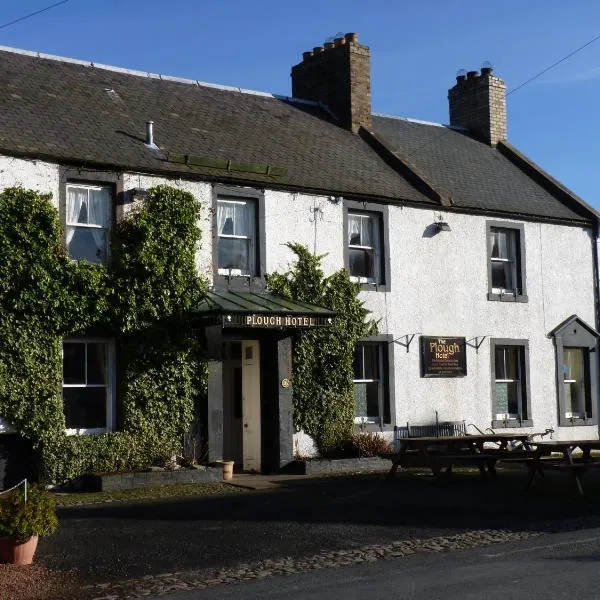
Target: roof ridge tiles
[
  {"x": 420, "y": 121},
  {"x": 151, "y": 75}
]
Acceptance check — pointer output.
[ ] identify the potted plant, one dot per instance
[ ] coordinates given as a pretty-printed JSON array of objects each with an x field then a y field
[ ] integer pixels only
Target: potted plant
[{"x": 22, "y": 521}]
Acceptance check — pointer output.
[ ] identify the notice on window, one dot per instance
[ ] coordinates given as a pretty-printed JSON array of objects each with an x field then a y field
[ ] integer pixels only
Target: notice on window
[{"x": 443, "y": 356}]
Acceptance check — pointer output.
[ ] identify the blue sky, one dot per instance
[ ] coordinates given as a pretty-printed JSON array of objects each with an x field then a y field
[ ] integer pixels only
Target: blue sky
[{"x": 416, "y": 50}]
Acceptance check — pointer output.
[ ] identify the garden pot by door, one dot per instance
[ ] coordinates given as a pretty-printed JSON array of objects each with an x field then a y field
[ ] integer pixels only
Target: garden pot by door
[{"x": 251, "y": 433}]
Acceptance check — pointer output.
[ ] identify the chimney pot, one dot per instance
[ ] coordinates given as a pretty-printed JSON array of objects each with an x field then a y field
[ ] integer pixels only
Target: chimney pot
[
  {"x": 461, "y": 78},
  {"x": 339, "y": 42},
  {"x": 351, "y": 37},
  {"x": 317, "y": 49},
  {"x": 486, "y": 70},
  {"x": 328, "y": 45},
  {"x": 306, "y": 55},
  {"x": 472, "y": 74}
]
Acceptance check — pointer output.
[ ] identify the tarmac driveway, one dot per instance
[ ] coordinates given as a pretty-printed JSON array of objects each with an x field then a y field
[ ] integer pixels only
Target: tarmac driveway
[{"x": 115, "y": 541}]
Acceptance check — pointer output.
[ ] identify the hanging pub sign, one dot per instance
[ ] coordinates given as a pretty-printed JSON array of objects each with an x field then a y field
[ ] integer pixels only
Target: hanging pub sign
[
  {"x": 443, "y": 356},
  {"x": 271, "y": 321}
]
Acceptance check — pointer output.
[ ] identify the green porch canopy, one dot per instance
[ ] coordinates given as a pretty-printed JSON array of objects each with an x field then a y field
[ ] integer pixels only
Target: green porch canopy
[{"x": 249, "y": 309}]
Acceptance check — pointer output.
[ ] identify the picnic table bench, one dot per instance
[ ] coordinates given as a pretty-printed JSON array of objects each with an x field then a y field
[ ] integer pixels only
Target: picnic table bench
[
  {"x": 439, "y": 453},
  {"x": 575, "y": 465}
]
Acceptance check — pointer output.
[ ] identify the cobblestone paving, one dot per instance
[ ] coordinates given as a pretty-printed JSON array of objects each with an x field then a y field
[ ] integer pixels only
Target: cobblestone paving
[
  {"x": 185, "y": 581},
  {"x": 168, "y": 583}
]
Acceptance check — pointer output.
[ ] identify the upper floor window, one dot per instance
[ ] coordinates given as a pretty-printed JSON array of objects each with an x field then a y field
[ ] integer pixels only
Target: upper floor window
[
  {"x": 506, "y": 263},
  {"x": 88, "y": 215},
  {"x": 236, "y": 227},
  {"x": 364, "y": 247},
  {"x": 87, "y": 391}
]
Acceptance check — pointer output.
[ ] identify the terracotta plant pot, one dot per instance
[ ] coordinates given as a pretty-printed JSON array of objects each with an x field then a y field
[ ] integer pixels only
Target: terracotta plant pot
[
  {"x": 18, "y": 553},
  {"x": 227, "y": 470}
]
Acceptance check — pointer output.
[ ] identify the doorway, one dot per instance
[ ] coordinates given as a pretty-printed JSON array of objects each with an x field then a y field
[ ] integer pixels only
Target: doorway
[{"x": 242, "y": 404}]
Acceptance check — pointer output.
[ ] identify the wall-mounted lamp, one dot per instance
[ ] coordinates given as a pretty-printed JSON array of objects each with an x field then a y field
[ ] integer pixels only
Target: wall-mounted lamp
[{"x": 442, "y": 226}]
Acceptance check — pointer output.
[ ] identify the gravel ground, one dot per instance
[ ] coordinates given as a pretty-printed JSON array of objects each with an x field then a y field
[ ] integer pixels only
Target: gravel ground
[{"x": 35, "y": 582}]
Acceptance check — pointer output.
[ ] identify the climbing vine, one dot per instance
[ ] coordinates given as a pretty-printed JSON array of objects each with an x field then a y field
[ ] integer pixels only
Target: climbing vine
[
  {"x": 142, "y": 299},
  {"x": 323, "y": 358}
]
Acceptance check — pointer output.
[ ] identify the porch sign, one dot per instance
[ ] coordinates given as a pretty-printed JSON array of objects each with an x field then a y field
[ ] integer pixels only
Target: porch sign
[
  {"x": 270, "y": 321},
  {"x": 443, "y": 356}
]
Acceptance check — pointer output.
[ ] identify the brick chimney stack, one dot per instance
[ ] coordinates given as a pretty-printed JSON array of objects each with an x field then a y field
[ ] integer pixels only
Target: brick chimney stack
[
  {"x": 339, "y": 76},
  {"x": 478, "y": 103}
]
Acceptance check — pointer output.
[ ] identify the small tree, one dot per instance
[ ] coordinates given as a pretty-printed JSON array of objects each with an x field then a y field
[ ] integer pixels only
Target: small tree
[{"x": 323, "y": 358}]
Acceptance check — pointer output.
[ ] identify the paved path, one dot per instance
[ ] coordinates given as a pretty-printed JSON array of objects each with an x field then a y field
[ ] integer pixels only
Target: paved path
[
  {"x": 119, "y": 541},
  {"x": 552, "y": 567}
]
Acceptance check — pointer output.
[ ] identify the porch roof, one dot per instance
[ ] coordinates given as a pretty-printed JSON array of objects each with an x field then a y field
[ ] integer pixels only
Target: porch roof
[{"x": 250, "y": 303}]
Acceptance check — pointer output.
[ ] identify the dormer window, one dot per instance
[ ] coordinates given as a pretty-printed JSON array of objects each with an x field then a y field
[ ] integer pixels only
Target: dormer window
[{"x": 576, "y": 372}]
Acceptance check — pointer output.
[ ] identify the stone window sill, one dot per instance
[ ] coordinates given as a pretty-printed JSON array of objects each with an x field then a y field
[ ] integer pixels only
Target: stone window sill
[
  {"x": 512, "y": 424},
  {"x": 507, "y": 297}
]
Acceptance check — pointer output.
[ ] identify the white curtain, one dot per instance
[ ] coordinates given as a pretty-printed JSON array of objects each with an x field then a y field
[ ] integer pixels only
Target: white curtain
[
  {"x": 354, "y": 230},
  {"x": 98, "y": 215},
  {"x": 76, "y": 199},
  {"x": 225, "y": 210}
]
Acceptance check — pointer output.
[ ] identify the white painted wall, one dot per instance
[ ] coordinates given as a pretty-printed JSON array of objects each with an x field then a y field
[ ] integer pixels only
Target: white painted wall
[{"x": 438, "y": 287}]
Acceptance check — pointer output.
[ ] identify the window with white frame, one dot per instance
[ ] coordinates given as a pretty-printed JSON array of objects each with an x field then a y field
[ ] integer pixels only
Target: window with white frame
[
  {"x": 88, "y": 218},
  {"x": 236, "y": 227},
  {"x": 510, "y": 390},
  {"x": 505, "y": 264},
  {"x": 88, "y": 367},
  {"x": 371, "y": 398},
  {"x": 576, "y": 389},
  {"x": 364, "y": 247}
]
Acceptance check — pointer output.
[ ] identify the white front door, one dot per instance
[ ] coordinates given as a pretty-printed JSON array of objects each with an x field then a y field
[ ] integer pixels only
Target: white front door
[{"x": 251, "y": 404}]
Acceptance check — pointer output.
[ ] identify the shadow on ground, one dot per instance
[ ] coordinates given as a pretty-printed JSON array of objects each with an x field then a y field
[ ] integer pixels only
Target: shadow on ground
[{"x": 116, "y": 541}]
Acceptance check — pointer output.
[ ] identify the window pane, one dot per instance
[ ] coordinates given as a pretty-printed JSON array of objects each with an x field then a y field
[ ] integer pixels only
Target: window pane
[
  {"x": 500, "y": 243},
  {"x": 234, "y": 254},
  {"x": 366, "y": 399},
  {"x": 77, "y": 199},
  {"x": 96, "y": 364},
  {"x": 73, "y": 363},
  {"x": 507, "y": 400},
  {"x": 499, "y": 369},
  {"x": 87, "y": 243},
  {"x": 371, "y": 354},
  {"x": 358, "y": 362},
  {"x": 244, "y": 219},
  {"x": 85, "y": 408},
  {"x": 512, "y": 362},
  {"x": 361, "y": 263},
  {"x": 502, "y": 275},
  {"x": 366, "y": 231},
  {"x": 573, "y": 363},
  {"x": 99, "y": 207},
  {"x": 354, "y": 230}
]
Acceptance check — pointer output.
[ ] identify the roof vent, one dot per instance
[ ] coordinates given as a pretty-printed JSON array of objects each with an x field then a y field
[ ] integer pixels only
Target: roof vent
[{"x": 150, "y": 134}]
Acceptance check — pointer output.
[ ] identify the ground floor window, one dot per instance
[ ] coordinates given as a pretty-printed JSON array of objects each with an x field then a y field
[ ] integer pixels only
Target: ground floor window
[
  {"x": 88, "y": 367},
  {"x": 576, "y": 388},
  {"x": 371, "y": 397},
  {"x": 510, "y": 389},
  {"x": 576, "y": 346}
]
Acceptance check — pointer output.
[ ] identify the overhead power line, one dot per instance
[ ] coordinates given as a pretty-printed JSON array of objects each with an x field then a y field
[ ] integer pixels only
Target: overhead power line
[
  {"x": 33, "y": 14},
  {"x": 554, "y": 64}
]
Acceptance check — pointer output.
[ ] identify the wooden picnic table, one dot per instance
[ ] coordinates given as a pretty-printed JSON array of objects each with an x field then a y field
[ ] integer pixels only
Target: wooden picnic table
[
  {"x": 575, "y": 465},
  {"x": 438, "y": 453}
]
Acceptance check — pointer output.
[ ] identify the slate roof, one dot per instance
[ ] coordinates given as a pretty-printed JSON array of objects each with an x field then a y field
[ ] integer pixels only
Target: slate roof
[
  {"x": 83, "y": 114},
  {"x": 472, "y": 174}
]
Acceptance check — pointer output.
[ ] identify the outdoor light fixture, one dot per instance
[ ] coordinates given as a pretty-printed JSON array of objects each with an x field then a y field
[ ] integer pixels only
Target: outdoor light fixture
[{"x": 442, "y": 226}]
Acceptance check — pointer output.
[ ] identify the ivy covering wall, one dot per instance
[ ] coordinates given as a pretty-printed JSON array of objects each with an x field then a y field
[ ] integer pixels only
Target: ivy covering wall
[
  {"x": 142, "y": 300},
  {"x": 322, "y": 359}
]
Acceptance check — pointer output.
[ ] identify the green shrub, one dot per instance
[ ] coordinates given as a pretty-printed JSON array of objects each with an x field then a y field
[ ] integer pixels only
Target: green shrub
[{"x": 20, "y": 519}]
